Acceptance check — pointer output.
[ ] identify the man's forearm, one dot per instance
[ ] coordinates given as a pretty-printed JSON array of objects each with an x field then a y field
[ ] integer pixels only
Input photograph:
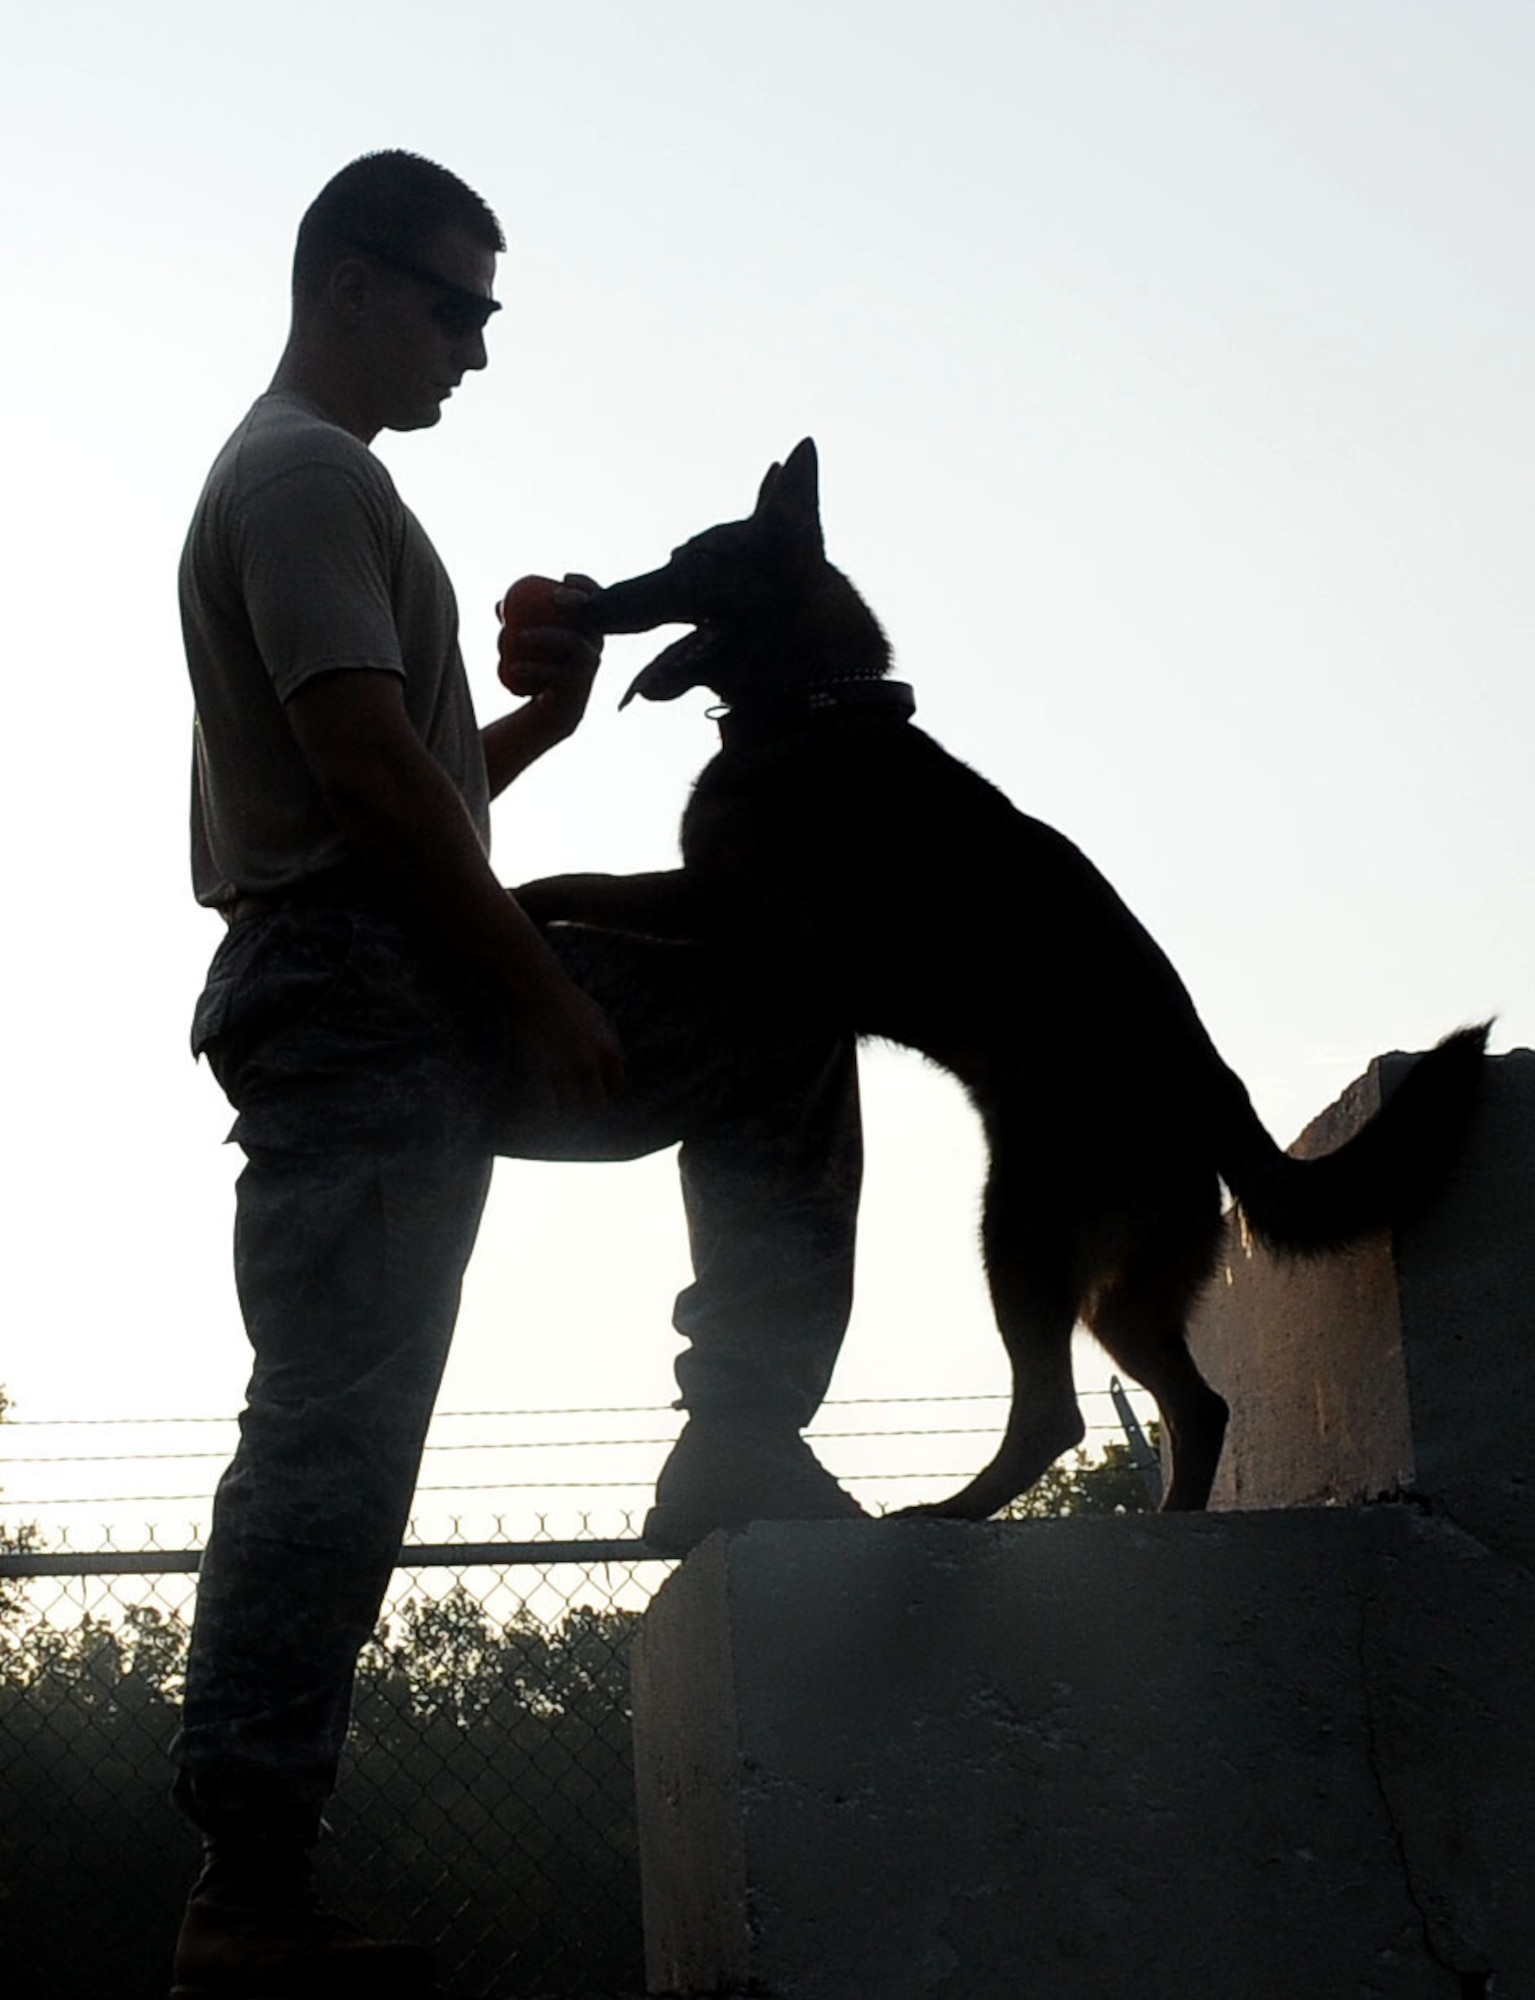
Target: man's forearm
[
  {"x": 408, "y": 824},
  {"x": 553, "y": 666},
  {"x": 410, "y": 827},
  {"x": 513, "y": 742},
  {"x": 405, "y": 821}
]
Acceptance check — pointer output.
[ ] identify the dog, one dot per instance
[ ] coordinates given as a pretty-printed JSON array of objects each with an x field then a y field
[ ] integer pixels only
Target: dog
[{"x": 867, "y": 877}]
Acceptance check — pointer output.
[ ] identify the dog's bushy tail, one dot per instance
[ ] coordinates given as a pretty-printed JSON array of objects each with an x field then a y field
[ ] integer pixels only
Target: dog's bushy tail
[{"x": 1389, "y": 1169}]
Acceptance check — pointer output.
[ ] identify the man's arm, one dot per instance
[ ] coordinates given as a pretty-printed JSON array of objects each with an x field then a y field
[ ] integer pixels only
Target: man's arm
[
  {"x": 513, "y": 742},
  {"x": 404, "y": 819}
]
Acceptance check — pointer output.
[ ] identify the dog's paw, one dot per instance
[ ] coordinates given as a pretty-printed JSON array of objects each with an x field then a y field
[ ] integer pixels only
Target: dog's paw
[{"x": 551, "y": 900}]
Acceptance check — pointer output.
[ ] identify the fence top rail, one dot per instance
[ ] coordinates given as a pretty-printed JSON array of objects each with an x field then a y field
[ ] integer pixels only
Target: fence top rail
[{"x": 414, "y": 1555}]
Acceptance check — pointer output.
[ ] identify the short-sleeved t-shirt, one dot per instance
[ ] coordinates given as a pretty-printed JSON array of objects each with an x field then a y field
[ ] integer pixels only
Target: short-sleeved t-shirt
[{"x": 303, "y": 560}]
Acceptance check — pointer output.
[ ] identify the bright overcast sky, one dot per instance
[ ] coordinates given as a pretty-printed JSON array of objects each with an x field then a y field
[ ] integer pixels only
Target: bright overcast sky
[{"x": 1171, "y": 369}]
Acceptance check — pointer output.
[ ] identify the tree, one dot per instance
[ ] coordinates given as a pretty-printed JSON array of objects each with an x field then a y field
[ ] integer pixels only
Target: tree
[
  {"x": 489, "y": 1793},
  {"x": 13, "y": 1542},
  {"x": 1111, "y": 1484}
]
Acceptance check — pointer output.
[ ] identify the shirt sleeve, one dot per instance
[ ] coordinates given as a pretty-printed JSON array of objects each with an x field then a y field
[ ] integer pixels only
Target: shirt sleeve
[{"x": 315, "y": 549}]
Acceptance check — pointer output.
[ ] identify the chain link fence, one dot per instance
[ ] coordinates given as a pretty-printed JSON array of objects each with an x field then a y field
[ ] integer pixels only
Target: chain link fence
[
  {"x": 487, "y": 1801},
  {"x": 486, "y": 1804}
]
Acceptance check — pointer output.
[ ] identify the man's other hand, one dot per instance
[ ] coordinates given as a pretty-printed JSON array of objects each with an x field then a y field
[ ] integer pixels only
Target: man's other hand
[{"x": 564, "y": 1048}]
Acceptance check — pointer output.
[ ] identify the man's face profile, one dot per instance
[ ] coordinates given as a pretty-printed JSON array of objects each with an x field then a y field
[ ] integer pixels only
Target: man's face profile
[{"x": 428, "y": 316}]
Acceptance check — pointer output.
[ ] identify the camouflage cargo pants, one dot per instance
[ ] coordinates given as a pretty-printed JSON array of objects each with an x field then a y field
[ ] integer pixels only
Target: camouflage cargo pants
[{"x": 373, "y": 1089}]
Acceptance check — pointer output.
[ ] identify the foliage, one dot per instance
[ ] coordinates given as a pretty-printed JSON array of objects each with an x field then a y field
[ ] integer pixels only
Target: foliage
[
  {"x": 1111, "y": 1484},
  {"x": 13, "y": 1542},
  {"x": 486, "y": 1802},
  {"x": 487, "y": 1799}
]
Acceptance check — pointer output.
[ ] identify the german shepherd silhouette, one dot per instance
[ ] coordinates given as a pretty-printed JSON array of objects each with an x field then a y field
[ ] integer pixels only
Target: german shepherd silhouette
[{"x": 852, "y": 866}]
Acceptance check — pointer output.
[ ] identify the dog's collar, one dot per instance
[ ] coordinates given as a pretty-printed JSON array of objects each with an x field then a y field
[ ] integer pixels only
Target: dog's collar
[{"x": 819, "y": 698}]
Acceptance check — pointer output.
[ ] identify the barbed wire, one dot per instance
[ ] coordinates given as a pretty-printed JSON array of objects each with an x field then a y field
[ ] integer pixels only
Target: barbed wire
[
  {"x": 497, "y": 1444},
  {"x": 536, "y": 1410},
  {"x": 440, "y": 1451}
]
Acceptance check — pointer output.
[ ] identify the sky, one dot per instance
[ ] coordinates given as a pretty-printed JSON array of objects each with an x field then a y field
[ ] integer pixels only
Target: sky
[{"x": 1169, "y": 366}]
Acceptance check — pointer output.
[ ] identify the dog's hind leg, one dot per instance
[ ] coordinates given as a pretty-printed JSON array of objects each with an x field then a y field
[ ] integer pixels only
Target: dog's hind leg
[
  {"x": 1140, "y": 1317},
  {"x": 1030, "y": 1251}
]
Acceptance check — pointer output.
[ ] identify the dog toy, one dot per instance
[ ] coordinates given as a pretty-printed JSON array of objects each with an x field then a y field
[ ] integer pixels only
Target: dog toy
[{"x": 529, "y": 603}]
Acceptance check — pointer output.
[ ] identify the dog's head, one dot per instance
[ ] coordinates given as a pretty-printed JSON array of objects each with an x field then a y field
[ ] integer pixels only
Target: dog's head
[{"x": 757, "y": 593}]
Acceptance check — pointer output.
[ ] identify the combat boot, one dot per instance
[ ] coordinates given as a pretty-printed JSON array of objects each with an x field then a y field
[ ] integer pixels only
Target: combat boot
[
  {"x": 731, "y": 1467},
  {"x": 255, "y": 1929}
]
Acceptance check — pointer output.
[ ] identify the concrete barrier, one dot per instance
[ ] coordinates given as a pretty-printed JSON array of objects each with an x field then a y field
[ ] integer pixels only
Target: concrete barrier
[
  {"x": 1405, "y": 1364},
  {"x": 1279, "y": 1753},
  {"x": 1268, "y": 1757}
]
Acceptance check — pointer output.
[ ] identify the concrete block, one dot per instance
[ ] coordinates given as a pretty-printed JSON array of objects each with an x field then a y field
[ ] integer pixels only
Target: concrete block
[
  {"x": 1274, "y": 1756},
  {"x": 1404, "y": 1364}
]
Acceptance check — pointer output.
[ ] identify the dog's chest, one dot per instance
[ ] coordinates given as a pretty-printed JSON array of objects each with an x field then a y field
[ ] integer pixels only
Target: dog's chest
[
  {"x": 866, "y": 857},
  {"x": 809, "y": 819},
  {"x": 812, "y": 852}
]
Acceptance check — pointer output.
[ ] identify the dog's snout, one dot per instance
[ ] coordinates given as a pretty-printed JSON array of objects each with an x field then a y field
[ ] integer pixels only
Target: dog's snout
[{"x": 638, "y": 604}]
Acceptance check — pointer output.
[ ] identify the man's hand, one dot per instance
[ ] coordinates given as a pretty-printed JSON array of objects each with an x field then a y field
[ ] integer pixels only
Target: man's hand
[
  {"x": 552, "y": 664},
  {"x": 545, "y": 654},
  {"x": 564, "y": 1049}
]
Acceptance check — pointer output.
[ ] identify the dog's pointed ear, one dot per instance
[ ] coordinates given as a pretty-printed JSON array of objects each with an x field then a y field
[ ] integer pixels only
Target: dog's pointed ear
[
  {"x": 791, "y": 494},
  {"x": 765, "y": 490}
]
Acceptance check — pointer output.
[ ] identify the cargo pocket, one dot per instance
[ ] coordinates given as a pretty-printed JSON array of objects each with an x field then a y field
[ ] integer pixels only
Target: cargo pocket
[{"x": 269, "y": 980}]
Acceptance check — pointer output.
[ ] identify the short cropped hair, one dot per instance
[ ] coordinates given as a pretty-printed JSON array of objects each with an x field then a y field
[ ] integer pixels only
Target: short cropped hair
[{"x": 392, "y": 202}]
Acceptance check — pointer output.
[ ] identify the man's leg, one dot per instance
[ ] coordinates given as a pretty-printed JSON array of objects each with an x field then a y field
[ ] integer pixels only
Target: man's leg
[
  {"x": 349, "y": 1270},
  {"x": 356, "y": 1071},
  {"x": 766, "y": 1105},
  {"x": 772, "y": 1206}
]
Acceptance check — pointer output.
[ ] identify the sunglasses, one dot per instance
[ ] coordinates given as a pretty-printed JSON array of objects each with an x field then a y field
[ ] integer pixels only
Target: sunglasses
[{"x": 459, "y": 312}]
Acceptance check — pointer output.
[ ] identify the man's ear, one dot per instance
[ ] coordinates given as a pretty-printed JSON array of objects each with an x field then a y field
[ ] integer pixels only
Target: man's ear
[
  {"x": 791, "y": 495},
  {"x": 349, "y": 289}
]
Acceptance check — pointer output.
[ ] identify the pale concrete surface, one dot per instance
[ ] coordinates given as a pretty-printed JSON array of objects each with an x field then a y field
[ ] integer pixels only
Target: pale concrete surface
[
  {"x": 1257, "y": 1757},
  {"x": 1404, "y": 1364}
]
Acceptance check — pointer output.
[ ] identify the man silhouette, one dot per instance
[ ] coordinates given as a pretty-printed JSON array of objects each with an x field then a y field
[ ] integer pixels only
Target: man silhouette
[{"x": 385, "y": 1019}]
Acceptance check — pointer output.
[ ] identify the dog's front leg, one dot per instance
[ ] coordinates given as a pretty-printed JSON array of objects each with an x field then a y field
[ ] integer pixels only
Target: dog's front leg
[{"x": 663, "y": 904}]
